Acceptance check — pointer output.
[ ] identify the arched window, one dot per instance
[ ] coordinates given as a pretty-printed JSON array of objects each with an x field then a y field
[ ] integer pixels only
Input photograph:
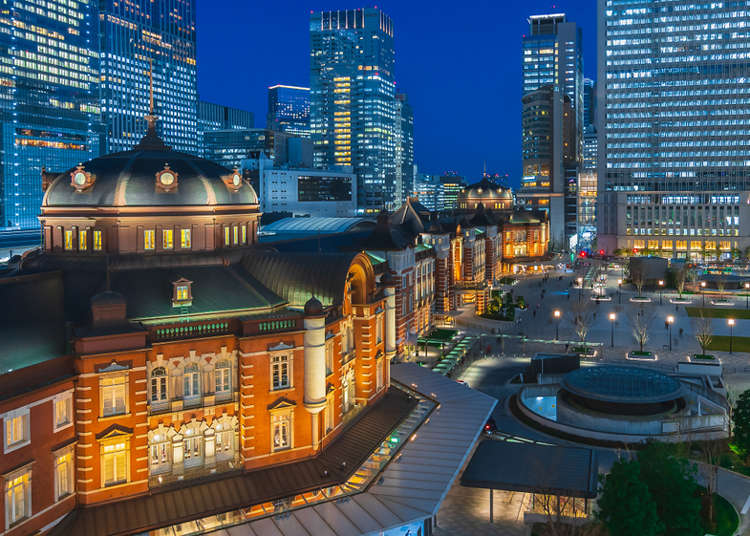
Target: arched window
[
  {"x": 223, "y": 378},
  {"x": 158, "y": 385},
  {"x": 191, "y": 381}
]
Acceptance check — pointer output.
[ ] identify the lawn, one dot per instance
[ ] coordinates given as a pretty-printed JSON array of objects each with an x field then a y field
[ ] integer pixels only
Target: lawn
[
  {"x": 739, "y": 314},
  {"x": 721, "y": 343}
]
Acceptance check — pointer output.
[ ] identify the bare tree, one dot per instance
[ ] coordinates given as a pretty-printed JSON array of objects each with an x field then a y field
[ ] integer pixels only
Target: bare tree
[
  {"x": 710, "y": 451},
  {"x": 641, "y": 328},
  {"x": 638, "y": 280},
  {"x": 679, "y": 281},
  {"x": 582, "y": 318},
  {"x": 703, "y": 331},
  {"x": 721, "y": 285}
]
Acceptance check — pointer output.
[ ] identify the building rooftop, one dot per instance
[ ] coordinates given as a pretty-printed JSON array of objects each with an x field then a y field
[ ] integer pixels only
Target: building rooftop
[
  {"x": 302, "y": 227},
  {"x": 610, "y": 383}
]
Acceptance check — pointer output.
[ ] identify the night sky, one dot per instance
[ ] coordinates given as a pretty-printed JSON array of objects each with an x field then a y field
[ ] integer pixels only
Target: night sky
[{"x": 461, "y": 67}]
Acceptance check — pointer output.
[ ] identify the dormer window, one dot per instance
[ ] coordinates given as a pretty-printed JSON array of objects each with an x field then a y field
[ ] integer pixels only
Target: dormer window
[
  {"x": 81, "y": 179},
  {"x": 166, "y": 179},
  {"x": 182, "y": 293}
]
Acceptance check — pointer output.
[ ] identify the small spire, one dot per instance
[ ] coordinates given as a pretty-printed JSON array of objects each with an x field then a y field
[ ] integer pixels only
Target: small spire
[
  {"x": 151, "y": 117},
  {"x": 151, "y": 140}
]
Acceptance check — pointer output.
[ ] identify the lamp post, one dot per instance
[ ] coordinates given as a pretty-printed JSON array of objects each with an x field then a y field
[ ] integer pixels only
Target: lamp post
[
  {"x": 580, "y": 288},
  {"x": 747, "y": 296},
  {"x": 703, "y": 292},
  {"x": 619, "y": 291},
  {"x": 556, "y": 313},
  {"x": 730, "y": 321},
  {"x": 612, "y": 318},
  {"x": 670, "y": 321},
  {"x": 661, "y": 288}
]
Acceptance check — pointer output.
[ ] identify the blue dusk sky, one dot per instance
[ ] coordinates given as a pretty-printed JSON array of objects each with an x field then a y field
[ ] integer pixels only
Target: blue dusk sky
[{"x": 459, "y": 62}]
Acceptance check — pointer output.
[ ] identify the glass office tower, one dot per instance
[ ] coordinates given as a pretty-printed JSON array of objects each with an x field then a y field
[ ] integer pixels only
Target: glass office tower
[
  {"x": 552, "y": 122},
  {"x": 49, "y": 99},
  {"x": 132, "y": 34},
  {"x": 352, "y": 101},
  {"x": 674, "y": 110},
  {"x": 404, "y": 148},
  {"x": 289, "y": 110}
]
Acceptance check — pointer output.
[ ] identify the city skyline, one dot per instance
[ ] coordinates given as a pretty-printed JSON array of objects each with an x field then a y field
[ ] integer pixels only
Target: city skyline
[{"x": 495, "y": 89}]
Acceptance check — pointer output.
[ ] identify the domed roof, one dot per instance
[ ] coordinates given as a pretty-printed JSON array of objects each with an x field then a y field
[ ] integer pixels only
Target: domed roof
[
  {"x": 486, "y": 189},
  {"x": 128, "y": 178}
]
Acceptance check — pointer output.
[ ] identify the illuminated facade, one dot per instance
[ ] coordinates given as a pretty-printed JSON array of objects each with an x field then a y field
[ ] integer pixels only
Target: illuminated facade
[
  {"x": 552, "y": 121},
  {"x": 672, "y": 115},
  {"x": 49, "y": 99},
  {"x": 219, "y": 117},
  {"x": 289, "y": 110},
  {"x": 136, "y": 37},
  {"x": 194, "y": 360},
  {"x": 404, "y": 148},
  {"x": 352, "y": 100}
]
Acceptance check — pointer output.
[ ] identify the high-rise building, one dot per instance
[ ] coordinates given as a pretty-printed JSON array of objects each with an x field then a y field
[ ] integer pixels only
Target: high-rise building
[
  {"x": 138, "y": 37},
  {"x": 552, "y": 84},
  {"x": 352, "y": 101},
  {"x": 289, "y": 110},
  {"x": 426, "y": 188},
  {"x": 404, "y": 148},
  {"x": 219, "y": 117},
  {"x": 674, "y": 174},
  {"x": 49, "y": 99},
  {"x": 587, "y": 177},
  {"x": 589, "y": 104},
  {"x": 451, "y": 185}
]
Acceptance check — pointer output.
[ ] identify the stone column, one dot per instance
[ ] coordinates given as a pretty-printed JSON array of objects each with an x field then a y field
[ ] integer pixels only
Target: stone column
[
  {"x": 390, "y": 317},
  {"x": 315, "y": 364}
]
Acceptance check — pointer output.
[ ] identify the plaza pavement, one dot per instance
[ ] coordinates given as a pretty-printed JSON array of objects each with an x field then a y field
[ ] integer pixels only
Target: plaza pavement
[{"x": 466, "y": 510}]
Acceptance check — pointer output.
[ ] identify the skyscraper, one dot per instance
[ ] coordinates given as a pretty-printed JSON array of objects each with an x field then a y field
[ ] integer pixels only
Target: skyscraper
[
  {"x": 49, "y": 99},
  {"x": 404, "y": 148},
  {"x": 673, "y": 94},
  {"x": 136, "y": 37},
  {"x": 219, "y": 117},
  {"x": 352, "y": 107},
  {"x": 289, "y": 110},
  {"x": 553, "y": 104}
]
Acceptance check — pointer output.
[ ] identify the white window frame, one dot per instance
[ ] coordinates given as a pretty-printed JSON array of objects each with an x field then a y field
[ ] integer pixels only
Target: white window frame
[
  {"x": 66, "y": 400},
  {"x": 281, "y": 419},
  {"x": 11, "y": 518},
  {"x": 25, "y": 427},
  {"x": 163, "y": 451},
  {"x": 222, "y": 378},
  {"x": 64, "y": 456},
  {"x": 281, "y": 359},
  {"x": 125, "y": 451},
  {"x": 225, "y": 443},
  {"x": 125, "y": 388},
  {"x": 159, "y": 385},
  {"x": 193, "y": 451},
  {"x": 195, "y": 386}
]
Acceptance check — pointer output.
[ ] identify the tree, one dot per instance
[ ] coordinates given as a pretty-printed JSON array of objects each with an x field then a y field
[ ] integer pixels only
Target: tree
[
  {"x": 626, "y": 506},
  {"x": 679, "y": 281},
  {"x": 641, "y": 328},
  {"x": 721, "y": 285},
  {"x": 582, "y": 317},
  {"x": 638, "y": 280},
  {"x": 741, "y": 423},
  {"x": 703, "y": 331},
  {"x": 672, "y": 484}
]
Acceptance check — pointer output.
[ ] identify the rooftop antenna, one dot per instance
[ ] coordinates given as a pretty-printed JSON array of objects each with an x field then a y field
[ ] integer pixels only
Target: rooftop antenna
[{"x": 484, "y": 171}]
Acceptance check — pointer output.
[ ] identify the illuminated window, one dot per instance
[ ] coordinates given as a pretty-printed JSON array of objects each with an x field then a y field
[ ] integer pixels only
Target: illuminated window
[
  {"x": 167, "y": 236},
  {"x": 16, "y": 429},
  {"x": 82, "y": 245},
  {"x": 158, "y": 385},
  {"x": 244, "y": 234},
  {"x": 18, "y": 496},
  {"x": 63, "y": 406},
  {"x": 64, "y": 473},
  {"x": 68, "y": 240},
  {"x": 280, "y": 372},
  {"x": 223, "y": 378},
  {"x": 182, "y": 292},
  {"x": 226, "y": 235},
  {"x": 113, "y": 391},
  {"x": 235, "y": 232},
  {"x": 185, "y": 238},
  {"x": 281, "y": 424},
  {"x": 97, "y": 240},
  {"x": 191, "y": 382},
  {"x": 114, "y": 462},
  {"x": 159, "y": 454},
  {"x": 149, "y": 241}
]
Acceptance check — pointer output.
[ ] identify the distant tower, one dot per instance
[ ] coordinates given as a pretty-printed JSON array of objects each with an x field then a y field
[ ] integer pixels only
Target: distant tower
[{"x": 289, "y": 110}]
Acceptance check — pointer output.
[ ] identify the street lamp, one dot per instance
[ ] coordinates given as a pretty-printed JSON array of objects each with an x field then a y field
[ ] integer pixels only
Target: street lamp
[
  {"x": 612, "y": 318},
  {"x": 747, "y": 295},
  {"x": 580, "y": 288},
  {"x": 661, "y": 288},
  {"x": 670, "y": 321},
  {"x": 619, "y": 291},
  {"x": 703, "y": 292},
  {"x": 730, "y": 321},
  {"x": 556, "y": 313}
]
